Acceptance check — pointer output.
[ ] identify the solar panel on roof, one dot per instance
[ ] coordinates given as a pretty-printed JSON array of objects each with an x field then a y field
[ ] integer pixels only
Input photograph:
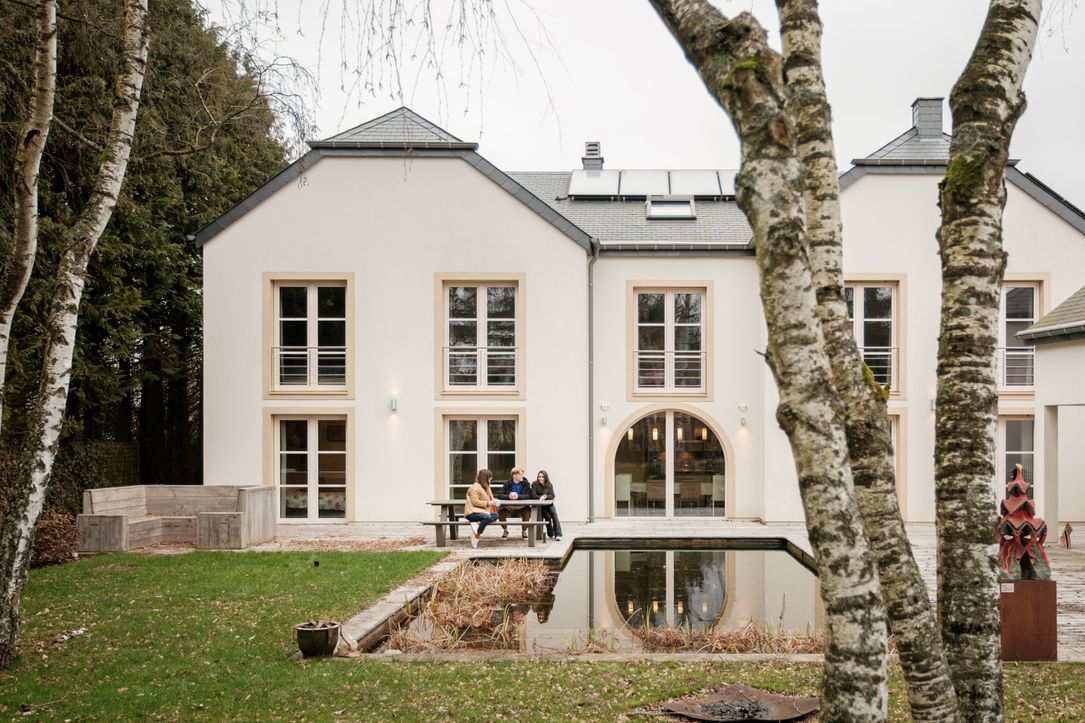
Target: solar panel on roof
[
  {"x": 695, "y": 183},
  {"x": 644, "y": 183},
  {"x": 593, "y": 183},
  {"x": 727, "y": 181}
]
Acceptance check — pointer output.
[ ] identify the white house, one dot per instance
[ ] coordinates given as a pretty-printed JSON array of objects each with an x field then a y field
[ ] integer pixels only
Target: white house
[{"x": 392, "y": 312}]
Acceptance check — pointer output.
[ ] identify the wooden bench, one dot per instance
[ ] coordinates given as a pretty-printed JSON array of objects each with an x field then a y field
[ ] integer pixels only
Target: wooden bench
[
  {"x": 534, "y": 529},
  {"x": 219, "y": 517}
]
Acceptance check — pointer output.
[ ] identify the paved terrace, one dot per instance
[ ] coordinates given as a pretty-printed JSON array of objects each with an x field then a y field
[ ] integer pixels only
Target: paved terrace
[{"x": 1067, "y": 566}]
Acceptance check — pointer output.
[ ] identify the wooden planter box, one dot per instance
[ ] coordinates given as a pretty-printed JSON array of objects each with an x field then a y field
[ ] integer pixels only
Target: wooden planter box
[{"x": 1028, "y": 620}]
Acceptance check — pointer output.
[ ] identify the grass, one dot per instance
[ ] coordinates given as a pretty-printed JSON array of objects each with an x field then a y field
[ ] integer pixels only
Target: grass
[
  {"x": 206, "y": 636},
  {"x": 180, "y": 636}
]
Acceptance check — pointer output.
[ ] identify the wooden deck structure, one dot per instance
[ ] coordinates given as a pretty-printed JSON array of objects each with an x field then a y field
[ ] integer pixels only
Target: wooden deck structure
[{"x": 216, "y": 517}]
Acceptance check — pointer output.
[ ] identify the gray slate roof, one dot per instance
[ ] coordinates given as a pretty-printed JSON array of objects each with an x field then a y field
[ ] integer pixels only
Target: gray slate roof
[
  {"x": 908, "y": 146},
  {"x": 1067, "y": 320},
  {"x": 622, "y": 226},
  {"x": 401, "y": 128}
]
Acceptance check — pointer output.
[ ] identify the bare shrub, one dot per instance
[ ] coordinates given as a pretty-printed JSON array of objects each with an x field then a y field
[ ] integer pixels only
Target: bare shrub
[
  {"x": 55, "y": 539},
  {"x": 593, "y": 641},
  {"x": 753, "y": 637},
  {"x": 477, "y": 605}
]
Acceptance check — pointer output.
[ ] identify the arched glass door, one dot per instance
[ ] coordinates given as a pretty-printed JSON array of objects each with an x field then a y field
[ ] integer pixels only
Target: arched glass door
[{"x": 669, "y": 464}]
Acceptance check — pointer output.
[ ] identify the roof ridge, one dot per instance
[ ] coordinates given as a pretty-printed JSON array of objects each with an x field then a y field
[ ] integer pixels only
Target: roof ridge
[{"x": 409, "y": 121}]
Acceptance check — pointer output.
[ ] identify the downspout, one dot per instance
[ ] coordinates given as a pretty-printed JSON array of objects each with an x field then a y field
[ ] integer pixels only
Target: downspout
[{"x": 591, "y": 379}]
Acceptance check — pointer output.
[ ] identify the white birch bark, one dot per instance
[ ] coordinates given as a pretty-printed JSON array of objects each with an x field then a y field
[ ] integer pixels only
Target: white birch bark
[
  {"x": 908, "y": 606},
  {"x": 986, "y": 103},
  {"x": 46, "y": 415},
  {"x": 745, "y": 75},
  {"x": 20, "y": 248}
]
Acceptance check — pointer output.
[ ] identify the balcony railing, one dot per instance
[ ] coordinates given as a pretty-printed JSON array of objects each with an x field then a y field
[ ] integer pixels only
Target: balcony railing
[
  {"x": 883, "y": 362},
  {"x": 1015, "y": 367},
  {"x": 677, "y": 371},
  {"x": 309, "y": 367},
  {"x": 480, "y": 367}
]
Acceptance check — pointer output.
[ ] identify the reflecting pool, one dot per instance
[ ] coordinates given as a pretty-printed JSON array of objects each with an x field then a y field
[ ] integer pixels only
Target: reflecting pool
[{"x": 608, "y": 600}]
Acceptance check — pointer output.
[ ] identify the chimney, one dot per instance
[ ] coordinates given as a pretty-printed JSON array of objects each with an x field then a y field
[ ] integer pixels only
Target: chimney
[
  {"x": 927, "y": 117},
  {"x": 593, "y": 156}
]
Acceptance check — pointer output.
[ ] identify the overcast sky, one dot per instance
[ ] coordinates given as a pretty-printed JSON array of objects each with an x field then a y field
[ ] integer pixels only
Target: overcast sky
[{"x": 616, "y": 75}]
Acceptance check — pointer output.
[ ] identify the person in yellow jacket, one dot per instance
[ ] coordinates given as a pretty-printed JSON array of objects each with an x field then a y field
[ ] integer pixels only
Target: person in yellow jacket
[{"x": 480, "y": 507}]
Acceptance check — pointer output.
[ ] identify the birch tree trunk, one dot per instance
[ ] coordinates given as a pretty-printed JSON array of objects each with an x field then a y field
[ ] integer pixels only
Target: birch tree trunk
[
  {"x": 46, "y": 415},
  {"x": 745, "y": 75},
  {"x": 986, "y": 103},
  {"x": 20, "y": 248},
  {"x": 908, "y": 606}
]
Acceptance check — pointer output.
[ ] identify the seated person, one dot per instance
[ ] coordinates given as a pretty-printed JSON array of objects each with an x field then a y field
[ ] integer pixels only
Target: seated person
[
  {"x": 479, "y": 505},
  {"x": 516, "y": 488},
  {"x": 543, "y": 489}
]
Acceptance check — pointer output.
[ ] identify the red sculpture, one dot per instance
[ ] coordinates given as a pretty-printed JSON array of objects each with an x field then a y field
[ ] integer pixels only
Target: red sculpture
[{"x": 1022, "y": 533}]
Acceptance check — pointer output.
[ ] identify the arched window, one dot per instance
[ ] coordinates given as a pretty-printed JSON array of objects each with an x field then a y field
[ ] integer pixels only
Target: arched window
[{"x": 669, "y": 464}]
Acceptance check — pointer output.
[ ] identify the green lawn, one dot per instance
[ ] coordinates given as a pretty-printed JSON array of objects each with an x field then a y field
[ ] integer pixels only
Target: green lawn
[{"x": 207, "y": 636}]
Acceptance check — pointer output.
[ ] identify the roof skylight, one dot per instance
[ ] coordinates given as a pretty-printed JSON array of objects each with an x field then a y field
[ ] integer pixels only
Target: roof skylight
[{"x": 669, "y": 207}]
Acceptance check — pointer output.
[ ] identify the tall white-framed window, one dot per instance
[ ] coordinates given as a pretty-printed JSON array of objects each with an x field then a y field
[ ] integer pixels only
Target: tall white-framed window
[
  {"x": 481, "y": 336},
  {"x": 1019, "y": 311},
  {"x": 1016, "y": 445},
  {"x": 669, "y": 353},
  {"x": 474, "y": 443},
  {"x": 872, "y": 310},
  {"x": 311, "y": 467},
  {"x": 309, "y": 342},
  {"x": 897, "y": 456}
]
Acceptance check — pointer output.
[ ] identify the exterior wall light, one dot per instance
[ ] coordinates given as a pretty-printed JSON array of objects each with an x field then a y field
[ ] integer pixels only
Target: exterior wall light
[{"x": 394, "y": 405}]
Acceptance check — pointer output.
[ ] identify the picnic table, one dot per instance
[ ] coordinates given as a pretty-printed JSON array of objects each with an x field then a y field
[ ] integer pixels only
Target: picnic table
[{"x": 452, "y": 512}]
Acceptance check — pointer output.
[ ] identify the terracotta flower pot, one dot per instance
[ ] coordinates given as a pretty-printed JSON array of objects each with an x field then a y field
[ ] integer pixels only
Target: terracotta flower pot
[{"x": 317, "y": 638}]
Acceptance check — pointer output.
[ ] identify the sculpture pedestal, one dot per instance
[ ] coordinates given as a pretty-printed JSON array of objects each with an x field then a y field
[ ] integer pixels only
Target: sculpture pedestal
[{"x": 1028, "y": 620}]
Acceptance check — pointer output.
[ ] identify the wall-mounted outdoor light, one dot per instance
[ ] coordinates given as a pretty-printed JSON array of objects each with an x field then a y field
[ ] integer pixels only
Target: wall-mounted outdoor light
[{"x": 395, "y": 404}]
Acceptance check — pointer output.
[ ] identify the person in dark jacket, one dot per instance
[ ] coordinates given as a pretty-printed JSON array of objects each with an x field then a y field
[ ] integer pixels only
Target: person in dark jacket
[
  {"x": 517, "y": 488},
  {"x": 543, "y": 489}
]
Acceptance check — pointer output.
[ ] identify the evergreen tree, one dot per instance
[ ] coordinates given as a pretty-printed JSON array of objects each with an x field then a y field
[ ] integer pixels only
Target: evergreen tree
[{"x": 205, "y": 139}]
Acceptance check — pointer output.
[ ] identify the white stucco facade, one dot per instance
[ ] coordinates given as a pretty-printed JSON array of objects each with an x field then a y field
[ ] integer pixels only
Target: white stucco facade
[
  {"x": 361, "y": 220},
  {"x": 398, "y": 230}
]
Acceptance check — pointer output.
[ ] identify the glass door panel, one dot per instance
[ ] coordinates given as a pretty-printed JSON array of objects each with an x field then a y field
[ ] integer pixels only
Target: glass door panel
[
  {"x": 640, "y": 468},
  {"x": 670, "y": 457},
  {"x": 698, "y": 469},
  {"x": 293, "y": 469},
  {"x": 478, "y": 443},
  {"x": 332, "y": 469},
  {"x": 312, "y": 469}
]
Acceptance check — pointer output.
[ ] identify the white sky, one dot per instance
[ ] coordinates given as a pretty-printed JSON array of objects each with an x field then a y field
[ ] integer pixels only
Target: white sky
[{"x": 617, "y": 76}]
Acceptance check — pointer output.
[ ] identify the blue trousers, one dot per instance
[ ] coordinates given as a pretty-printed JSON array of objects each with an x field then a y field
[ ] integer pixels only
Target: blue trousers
[{"x": 483, "y": 519}]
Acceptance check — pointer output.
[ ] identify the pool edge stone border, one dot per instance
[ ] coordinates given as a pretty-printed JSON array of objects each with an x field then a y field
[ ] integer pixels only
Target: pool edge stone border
[{"x": 372, "y": 625}]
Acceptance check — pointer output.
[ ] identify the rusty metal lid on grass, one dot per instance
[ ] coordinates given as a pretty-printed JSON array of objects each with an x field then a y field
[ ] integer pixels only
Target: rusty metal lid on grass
[{"x": 737, "y": 702}]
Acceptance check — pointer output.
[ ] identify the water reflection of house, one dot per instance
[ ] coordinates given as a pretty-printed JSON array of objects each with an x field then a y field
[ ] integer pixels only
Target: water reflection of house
[
  {"x": 620, "y": 592},
  {"x": 393, "y": 312}
]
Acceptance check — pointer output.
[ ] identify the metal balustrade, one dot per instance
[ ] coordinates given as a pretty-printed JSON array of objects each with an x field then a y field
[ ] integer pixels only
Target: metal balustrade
[
  {"x": 883, "y": 362},
  {"x": 480, "y": 367},
  {"x": 671, "y": 370},
  {"x": 309, "y": 367},
  {"x": 1015, "y": 367}
]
